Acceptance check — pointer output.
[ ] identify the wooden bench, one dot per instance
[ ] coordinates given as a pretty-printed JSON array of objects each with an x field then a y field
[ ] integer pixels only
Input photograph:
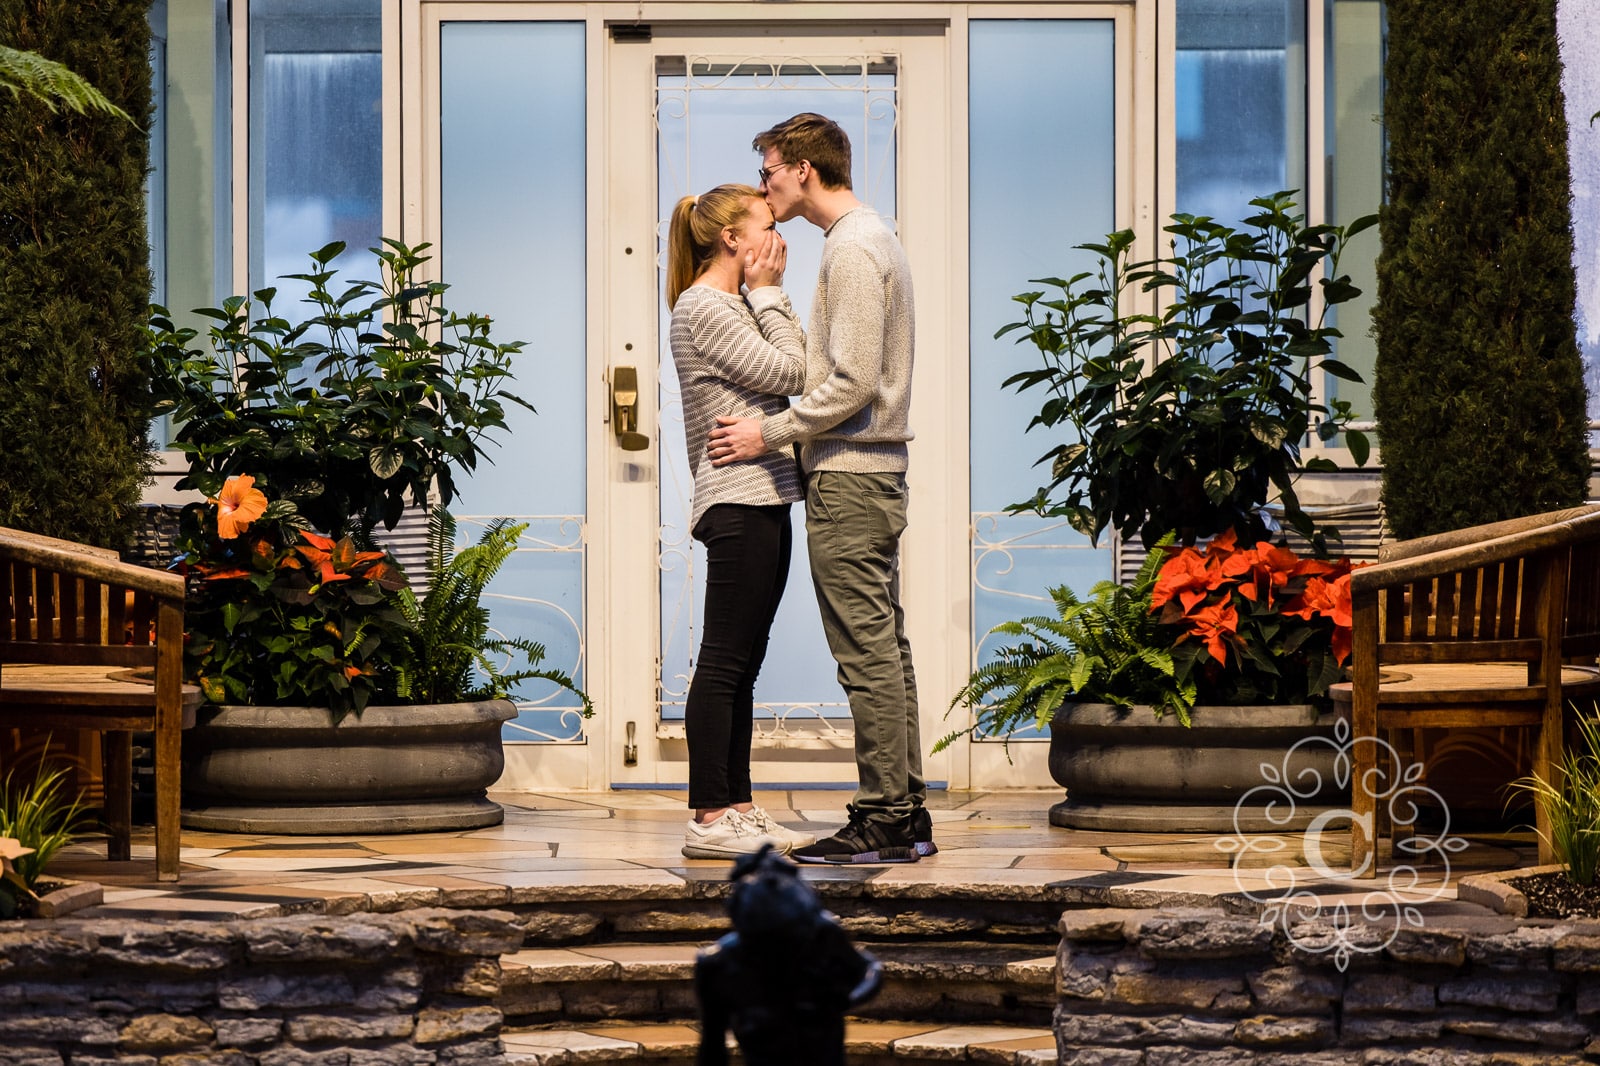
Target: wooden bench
[
  {"x": 1495, "y": 625},
  {"x": 88, "y": 642}
]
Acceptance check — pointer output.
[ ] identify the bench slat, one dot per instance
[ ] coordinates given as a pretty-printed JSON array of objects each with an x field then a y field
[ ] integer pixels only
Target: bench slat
[
  {"x": 1466, "y": 651},
  {"x": 30, "y": 651}
]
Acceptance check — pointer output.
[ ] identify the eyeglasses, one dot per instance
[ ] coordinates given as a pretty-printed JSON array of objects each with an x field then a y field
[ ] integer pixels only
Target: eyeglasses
[{"x": 766, "y": 172}]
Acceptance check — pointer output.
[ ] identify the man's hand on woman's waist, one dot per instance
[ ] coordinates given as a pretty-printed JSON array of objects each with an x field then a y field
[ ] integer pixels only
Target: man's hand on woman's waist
[{"x": 735, "y": 440}]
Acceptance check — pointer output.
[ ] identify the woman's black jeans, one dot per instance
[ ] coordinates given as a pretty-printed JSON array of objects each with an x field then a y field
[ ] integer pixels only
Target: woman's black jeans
[{"x": 747, "y": 566}]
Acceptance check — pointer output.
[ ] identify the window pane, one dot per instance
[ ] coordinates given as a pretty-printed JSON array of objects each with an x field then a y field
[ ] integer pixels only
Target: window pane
[
  {"x": 512, "y": 246},
  {"x": 189, "y": 183},
  {"x": 1355, "y": 148},
  {"x": 1061, "y": 145},
  {"x": 1239, "y": 103},
  {"x": 316, "y": 138},
  {"x": 155, "y": 183},
  {"x": 1579, "y": 25}
]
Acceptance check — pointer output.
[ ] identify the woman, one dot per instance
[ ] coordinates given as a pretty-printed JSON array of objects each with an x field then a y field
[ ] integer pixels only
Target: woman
[{"x": 735, "y": 355}]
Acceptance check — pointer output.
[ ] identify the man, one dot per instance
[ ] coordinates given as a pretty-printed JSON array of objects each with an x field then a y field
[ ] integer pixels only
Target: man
[{"x": 851, "y": 427}]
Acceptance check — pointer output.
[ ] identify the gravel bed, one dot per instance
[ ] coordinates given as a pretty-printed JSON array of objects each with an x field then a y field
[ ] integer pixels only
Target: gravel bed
[{"x": 1554, "y": 895}]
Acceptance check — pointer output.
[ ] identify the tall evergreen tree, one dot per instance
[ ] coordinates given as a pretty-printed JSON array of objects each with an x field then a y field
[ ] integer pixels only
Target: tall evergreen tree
[
  {"x": 74, "y": 276},
  {"x": 1479, "y": 388}
]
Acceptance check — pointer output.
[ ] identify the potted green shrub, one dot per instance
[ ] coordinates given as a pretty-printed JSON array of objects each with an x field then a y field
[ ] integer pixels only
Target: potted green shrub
[
  {"x": 1164, "y": 697},
  {"x": 1190, "y": 418},
  {"x": 1167, "y": 696},
  {"x": 337, "y": 703}
]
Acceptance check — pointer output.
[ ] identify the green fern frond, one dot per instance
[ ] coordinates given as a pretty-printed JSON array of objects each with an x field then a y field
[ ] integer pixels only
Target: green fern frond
[
  {"x": 1106, "y": 648},
  {"x": 450, "y": 641},
  {"x": 31, "y": 74}
]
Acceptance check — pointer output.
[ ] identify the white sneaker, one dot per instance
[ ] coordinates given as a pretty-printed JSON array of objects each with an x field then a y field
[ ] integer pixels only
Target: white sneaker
[
  {"x": 787, "y": 839},
  {"x": 728, "y": 837}
]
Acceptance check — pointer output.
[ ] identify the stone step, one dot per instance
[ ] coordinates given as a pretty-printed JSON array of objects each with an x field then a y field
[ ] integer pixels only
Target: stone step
[
  {"x": 653, "y": 982},
  {"x": 867, "y": 1043},
  {"x": 567, "y": 915}
]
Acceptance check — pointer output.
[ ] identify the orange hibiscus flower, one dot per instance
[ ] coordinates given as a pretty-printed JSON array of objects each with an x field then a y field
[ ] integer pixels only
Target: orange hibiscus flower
[{"x": 239, "y": 504}]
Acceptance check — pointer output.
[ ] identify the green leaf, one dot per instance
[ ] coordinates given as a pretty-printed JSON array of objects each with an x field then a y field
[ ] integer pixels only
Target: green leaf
[
  {"x": 1360, "y": 225},
  {"x": 1268, "y": 432},
  {"x": 386, "y": 461},
  {"x": 1339, "y": 370},
  {"x": 1219, "y": 485},
  {"x": 1338, "y": 290},
  {"x": 1360, "y": 447}
]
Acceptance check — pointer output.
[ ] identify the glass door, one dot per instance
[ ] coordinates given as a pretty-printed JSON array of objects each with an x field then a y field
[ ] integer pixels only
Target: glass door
[{"x": 708, "y": 95}]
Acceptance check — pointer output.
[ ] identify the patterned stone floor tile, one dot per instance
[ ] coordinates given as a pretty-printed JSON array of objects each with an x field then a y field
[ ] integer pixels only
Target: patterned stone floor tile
[
  {"x": 954, "y": 1040},
  {"x": 1028, "y": 1051},
  {"x": 566, "y": 1039},
  {"x": 648, "y": 962},
  {"x": 1066, "y": 859},
  {"x": 181, "y": 907},
  {"x": 627, "y": 843},
  {"x": 562, "y": 964},
  {"x": 126, "y": 895},
  {"x": 876, "y": 1038},
  {"x": 455, "y": 847},
  {"x": 314, "y": 863},
  {"x": 655, "y": 1039}
]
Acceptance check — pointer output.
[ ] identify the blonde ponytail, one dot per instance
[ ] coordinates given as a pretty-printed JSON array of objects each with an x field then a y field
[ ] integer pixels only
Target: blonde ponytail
[{"x": 696, "y": 224}]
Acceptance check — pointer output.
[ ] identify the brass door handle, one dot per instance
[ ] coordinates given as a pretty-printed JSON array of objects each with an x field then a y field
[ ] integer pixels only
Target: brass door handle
[{"x": 625, "y": 409}]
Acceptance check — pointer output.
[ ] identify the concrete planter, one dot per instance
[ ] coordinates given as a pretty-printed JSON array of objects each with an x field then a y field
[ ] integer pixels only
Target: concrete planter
[
  {"x": 61, "y": 897},
  {"x": 387, "y": 770},
  {"x": 1246, "y": 769}
]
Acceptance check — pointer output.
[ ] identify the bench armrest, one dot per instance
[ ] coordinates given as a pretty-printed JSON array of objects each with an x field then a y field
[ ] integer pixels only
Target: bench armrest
[{"x": 96, "y": 564}]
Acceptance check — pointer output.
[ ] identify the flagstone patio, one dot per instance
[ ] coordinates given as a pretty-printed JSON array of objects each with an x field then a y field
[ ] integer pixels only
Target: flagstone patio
[{"x": 997, "y": 843}]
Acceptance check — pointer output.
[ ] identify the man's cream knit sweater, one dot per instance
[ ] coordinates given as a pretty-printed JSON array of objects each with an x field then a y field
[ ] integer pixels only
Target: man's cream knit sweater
[{"x": 854, "y": 414}]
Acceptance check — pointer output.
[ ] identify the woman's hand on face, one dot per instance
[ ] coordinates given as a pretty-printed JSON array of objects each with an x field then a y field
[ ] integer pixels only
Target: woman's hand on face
[{"x": 764, "y": 266}]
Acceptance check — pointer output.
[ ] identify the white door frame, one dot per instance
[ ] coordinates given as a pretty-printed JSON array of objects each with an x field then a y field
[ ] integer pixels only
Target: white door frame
[{"x": 632, "y": 288}]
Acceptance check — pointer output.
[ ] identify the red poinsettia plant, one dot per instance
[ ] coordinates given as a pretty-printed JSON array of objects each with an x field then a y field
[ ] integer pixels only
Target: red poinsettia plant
[
  {"x": 1255, "y": 624},
  {"x": 278, "y": 614}
]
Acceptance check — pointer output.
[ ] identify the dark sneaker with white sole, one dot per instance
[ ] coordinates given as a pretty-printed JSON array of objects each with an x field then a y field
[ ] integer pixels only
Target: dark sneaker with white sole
[
  {"x": 922, "y": 833},
  {"x": 863, "y": 840}
]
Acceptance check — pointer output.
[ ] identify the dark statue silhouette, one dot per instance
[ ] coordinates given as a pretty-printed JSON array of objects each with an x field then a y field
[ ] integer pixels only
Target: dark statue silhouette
[{"x": 783, "y": 979}]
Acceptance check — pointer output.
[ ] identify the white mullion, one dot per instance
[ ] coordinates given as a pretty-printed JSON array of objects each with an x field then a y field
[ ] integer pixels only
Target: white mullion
[
  {"x": 239, "y": 169},
  {"x": 396, "y": 18},
  {"x": 1315, "y": 197}
]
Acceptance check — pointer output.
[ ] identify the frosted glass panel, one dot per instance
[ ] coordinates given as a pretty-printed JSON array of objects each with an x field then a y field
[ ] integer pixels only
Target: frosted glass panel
[
  {"x": 1355, "y": 148},
  {"x": 1240, "y": 103},
  {"x": 1042, "y": 176},
  {"x": 512, "y": 198},
  {"x": 707, "y": 115},
  {"x": 316, "y": 140}
]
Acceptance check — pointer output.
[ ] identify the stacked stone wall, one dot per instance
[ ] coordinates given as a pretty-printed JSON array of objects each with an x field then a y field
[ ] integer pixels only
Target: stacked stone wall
[
  {"x": 1204, "y": 988},
  {"x": 362, "y": 990}
]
